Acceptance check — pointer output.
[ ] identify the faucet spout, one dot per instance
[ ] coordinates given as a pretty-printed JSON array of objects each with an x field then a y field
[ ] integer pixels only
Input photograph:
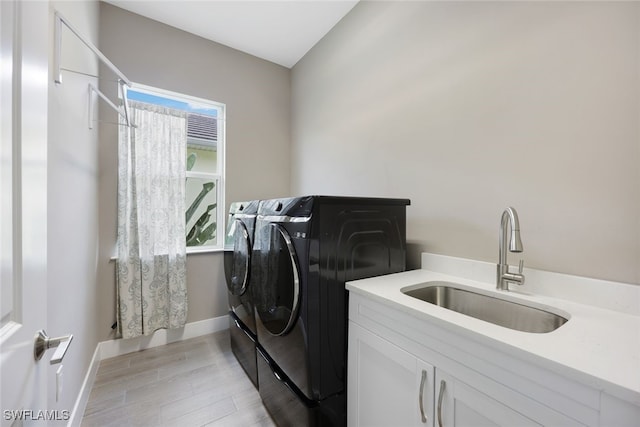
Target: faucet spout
[
  {"x": 510, "y": 216},
  {"x": 504, "y": 276}
]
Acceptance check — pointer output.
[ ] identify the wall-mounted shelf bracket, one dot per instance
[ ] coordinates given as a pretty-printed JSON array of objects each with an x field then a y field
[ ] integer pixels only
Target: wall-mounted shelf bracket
[
  {"x": 124, "y": 111},
  {"x": 57, "y": 54},
  {"x": 123, "y": 81}
]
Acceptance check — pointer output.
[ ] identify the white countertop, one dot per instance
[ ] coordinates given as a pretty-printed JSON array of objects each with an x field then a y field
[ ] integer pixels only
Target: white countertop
[{"x": 597, "y": 346}]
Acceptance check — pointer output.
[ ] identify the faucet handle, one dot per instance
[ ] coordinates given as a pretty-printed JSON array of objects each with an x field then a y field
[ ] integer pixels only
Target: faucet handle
[{"x": 520, "y": 266}]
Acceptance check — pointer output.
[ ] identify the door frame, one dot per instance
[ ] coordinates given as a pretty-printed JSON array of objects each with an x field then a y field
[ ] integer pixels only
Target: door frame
[{"x": 24, "y": 381}]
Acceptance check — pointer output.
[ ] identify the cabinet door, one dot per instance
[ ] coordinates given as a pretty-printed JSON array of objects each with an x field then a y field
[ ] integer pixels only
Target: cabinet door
[
  {"x": 386, "y": 385},
  {"x": 458, "y": 404}
]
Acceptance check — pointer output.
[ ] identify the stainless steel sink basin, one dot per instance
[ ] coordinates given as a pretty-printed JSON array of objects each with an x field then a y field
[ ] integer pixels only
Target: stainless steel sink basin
[{"x": 494, "y": 310}]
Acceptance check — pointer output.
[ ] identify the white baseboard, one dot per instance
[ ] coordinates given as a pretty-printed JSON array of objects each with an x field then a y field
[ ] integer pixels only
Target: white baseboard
[
  {"x": 118, "y": 347},
  {"x": 85, "y": 390}
]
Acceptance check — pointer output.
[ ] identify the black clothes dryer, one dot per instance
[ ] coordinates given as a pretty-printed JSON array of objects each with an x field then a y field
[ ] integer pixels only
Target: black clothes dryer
[
  {"x": 305, "y": 249},
  {"x": 237, "y": 267}
]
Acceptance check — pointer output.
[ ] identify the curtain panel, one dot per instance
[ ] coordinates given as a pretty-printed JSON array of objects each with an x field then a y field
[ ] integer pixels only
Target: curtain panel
[{"x": 151, "y": 263}]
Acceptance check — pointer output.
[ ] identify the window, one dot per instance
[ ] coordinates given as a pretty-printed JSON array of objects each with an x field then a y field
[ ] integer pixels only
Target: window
[{"x": 204, "y": 202}]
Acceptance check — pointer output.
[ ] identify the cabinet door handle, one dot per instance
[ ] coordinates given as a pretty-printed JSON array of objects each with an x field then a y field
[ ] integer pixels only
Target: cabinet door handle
[
  {"x": 440, "y": 395},
  {"x": 420, "y": 396}
]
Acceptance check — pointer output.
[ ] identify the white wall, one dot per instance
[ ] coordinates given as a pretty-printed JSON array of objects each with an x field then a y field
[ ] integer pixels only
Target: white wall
[
  {"x": 72, "y": 212},
  {"x": 470, "y": 107}
]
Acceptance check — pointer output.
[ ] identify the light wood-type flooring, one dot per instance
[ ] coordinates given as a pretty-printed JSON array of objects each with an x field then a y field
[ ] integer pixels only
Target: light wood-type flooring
[{"x": 196, "y": 382}]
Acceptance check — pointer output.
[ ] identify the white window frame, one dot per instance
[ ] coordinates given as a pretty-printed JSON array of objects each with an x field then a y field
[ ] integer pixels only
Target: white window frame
[{"x": 218, "y": 177}]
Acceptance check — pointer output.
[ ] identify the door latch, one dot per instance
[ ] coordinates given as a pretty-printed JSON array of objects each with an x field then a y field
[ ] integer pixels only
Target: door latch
[{"x": 43, "y": 343}]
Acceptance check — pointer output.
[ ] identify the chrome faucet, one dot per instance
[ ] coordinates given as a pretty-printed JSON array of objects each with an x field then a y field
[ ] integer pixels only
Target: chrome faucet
[{"x": 504, "y": 276}]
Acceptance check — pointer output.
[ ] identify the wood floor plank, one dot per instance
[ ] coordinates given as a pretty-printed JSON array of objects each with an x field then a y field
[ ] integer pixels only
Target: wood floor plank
[
  {"x": 126, "y": 376},
  {"x": 206, "y": 414}
]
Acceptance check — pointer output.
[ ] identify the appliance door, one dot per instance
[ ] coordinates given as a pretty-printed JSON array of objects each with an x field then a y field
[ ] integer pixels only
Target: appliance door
[
  {"x": 278, "y": 304},
  {"x": 238, "y": 261}
]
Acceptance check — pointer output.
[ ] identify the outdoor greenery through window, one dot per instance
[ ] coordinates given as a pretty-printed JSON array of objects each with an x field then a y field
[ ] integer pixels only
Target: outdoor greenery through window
[{"x": 204, "y": 202}]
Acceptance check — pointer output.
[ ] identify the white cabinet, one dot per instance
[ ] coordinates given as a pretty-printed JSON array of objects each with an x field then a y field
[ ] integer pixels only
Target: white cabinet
[
  {"x": 387, "y": 386},
  {"x": 446, "y": 381}
]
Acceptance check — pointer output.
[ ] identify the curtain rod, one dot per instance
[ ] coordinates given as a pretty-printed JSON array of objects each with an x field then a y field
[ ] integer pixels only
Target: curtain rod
[{"x": 59, "y": 20}]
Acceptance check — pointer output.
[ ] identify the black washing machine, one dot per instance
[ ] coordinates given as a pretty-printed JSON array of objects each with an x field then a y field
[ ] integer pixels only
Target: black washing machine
[
  {"x": 305, "y": 249},
  {"x": 237, "y": 267}
]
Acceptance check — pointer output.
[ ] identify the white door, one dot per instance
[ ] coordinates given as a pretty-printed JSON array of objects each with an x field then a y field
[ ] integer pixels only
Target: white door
[
  {"x": 460, "y": 405},
  {"x": 23, "y": 208}
]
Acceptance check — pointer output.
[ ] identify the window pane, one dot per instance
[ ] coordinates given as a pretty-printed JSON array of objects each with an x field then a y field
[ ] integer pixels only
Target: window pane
[
  {"x": 205, "y": 140},
  {"x": 202, "y": 159},
  {"x": 202, "y": 211}
]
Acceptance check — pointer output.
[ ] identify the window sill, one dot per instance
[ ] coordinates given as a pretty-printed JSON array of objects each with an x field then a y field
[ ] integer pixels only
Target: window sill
[
  {"x": 190, "y": 251},
  {"x": 194, "y": 250}
]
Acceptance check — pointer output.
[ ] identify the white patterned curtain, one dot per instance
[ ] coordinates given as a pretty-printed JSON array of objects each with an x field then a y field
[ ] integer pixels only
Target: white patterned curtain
[{"x": 151, "y": 263}]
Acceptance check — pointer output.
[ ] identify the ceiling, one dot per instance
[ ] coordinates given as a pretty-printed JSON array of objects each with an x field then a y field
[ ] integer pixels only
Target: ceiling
[{"x": 280, "y": 31}]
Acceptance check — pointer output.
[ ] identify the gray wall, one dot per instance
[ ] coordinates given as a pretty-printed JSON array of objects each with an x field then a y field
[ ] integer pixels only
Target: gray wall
[
  {"x": 257, "y": 96},
  {"x": 72, "y": 214},
  {"x": 470, "y": 107}
]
